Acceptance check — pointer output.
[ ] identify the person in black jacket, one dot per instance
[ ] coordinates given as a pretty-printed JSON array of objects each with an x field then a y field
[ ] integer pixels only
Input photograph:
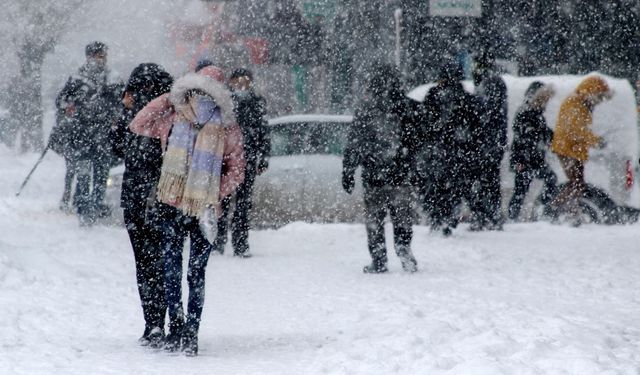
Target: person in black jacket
[
  {"x": 72, "y": 140},
  {"x": 491, "y": 89},
  {"x": 143, "y": 161},
  {"x": 450, "y": 148},
  {"x": 531, "y": 138},
  {"x": 96, "y": 108},
  {"x": 380, "y": 142},
  {"x": 250, "y": 111}
]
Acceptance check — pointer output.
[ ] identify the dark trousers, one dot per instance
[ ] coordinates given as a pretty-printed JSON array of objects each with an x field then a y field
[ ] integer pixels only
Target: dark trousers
[
  {"x": 145, "y": 235},
  {"x": 397, "y": 202},
  {"x": 489, "y": 196},
  {"x": 573, "y": 190},
  {"x": 176, "y": 228},
  {"x": 100, "y": 175},
  {"x": 442, "y": 201},
  {"x": 447, "y": 192},
  {"x": 240, "y": 221},
  {"x": 523, "y": 182}
]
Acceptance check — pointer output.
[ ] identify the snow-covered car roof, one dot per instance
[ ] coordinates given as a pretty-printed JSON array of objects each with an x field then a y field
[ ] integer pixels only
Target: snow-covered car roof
[{"x": 304, "y": 118}]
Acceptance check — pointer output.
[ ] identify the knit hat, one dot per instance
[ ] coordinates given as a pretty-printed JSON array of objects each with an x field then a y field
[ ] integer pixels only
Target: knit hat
[
  {"x": 451, "y": 71},
  {"x": 212, "y": 72},
  {"x": 241, "y": 72},
  {"x": 533, "y": 89},
  {"x": 95, "y": 48}
]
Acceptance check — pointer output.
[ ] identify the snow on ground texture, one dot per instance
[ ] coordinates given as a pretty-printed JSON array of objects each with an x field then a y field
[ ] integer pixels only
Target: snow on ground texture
[{"x": 534, "y": 299}]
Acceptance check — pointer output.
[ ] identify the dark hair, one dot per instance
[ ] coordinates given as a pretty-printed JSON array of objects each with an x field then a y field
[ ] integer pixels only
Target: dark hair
[
  {"x": 533, "y": 89},
  {"x": 451, "y": 71},
  {"x": 241, "y": 72},
  {"x": 382, "y": 77},
  {"x": 95, "y": 48},
  {"x": 485, "y": 60},
  {"x": 203, "y": 63}
]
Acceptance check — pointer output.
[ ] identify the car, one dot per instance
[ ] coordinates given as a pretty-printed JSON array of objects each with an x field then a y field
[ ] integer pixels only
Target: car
[{"x": 304, "y": 179}]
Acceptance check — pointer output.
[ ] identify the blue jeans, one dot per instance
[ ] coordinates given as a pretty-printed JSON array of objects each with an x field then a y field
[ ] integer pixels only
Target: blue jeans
[{"x": 176, "y": 227}]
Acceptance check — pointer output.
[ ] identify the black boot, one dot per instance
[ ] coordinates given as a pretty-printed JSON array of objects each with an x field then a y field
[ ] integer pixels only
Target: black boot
[
  {"x": 446, "y": 231},
  {"x": 144, "y": 339},
  {"x": 173, "y": 341},
  {"x": 244, "y": 254},
  {"x": 409, "y": 263},
  {"x": 156, "y": 338},
  {"x": 190, "y": 343},
  {"x": 376, "y": 266}
]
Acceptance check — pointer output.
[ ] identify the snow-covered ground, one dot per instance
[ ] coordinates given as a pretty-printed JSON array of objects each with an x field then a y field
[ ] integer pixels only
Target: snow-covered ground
[{"x": 534, "y": 299}]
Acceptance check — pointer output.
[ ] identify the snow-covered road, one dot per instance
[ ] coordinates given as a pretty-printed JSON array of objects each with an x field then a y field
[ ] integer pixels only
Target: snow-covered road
[{"x": 534, "y": 299}]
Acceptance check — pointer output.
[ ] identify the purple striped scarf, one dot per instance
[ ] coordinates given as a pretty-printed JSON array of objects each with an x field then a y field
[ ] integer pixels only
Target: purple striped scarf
[{"x": 192, "y": 164}]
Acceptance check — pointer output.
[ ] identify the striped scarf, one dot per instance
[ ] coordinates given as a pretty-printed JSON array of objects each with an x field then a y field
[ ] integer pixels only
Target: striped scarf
[{"x": 192, "y": 164}]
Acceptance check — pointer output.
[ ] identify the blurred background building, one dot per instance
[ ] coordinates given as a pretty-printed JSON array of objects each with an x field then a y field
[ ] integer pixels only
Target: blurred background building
[{"x": 308, "y": 55}]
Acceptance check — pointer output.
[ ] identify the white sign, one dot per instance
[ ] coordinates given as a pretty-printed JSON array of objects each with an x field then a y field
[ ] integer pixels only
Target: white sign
[{"x": 455, "y": 8}]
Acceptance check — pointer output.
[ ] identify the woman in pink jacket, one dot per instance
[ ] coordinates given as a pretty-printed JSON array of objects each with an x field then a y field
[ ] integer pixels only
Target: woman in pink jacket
[{"x": 203, "y": 162}]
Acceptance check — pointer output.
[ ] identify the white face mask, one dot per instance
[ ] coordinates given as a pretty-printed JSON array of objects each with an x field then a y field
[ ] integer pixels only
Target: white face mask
[{"x": 204, "y": 108}]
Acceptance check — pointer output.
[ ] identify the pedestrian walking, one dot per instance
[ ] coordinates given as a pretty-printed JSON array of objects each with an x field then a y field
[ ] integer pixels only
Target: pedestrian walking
[
  {"x": 143, "y": 161},
  {"x": 379, "y": 143},
  {"x": 203, "y": 162},
  {"x": 531, "y": 139},
  {"x": 250, "y": 110},
  {"x": 573, "y": 138},
  {"x": 450, "y": 150},
  {"x": 492, "y": 91}
]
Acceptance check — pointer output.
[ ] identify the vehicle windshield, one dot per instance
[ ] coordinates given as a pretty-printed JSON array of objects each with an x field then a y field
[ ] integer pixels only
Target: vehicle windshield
[{"x": 308, "y": 138}]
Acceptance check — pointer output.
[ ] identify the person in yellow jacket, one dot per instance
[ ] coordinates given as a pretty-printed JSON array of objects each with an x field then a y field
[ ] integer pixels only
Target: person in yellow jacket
[{"x": 573, "y": 138}]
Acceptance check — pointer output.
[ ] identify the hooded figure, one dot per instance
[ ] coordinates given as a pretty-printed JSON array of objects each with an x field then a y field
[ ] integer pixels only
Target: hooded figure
[
  {"x": 379, "y": 142},
  {"x": 450, "y": 147},
  {"x": 531, "y": 138},
  {"x": 492, "y": 91},
  {"x": 203, "y": 162},
  {"x": 573, "y": 138},
  {"x": 143, "y": 160}
]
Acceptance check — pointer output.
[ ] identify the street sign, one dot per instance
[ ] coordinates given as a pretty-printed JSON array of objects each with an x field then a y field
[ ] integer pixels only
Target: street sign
[{"x": 455, "y": 8}]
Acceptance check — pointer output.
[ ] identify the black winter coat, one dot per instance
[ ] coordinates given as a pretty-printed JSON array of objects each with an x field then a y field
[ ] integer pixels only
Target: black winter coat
[
  {"x": 142, "y": 159},
  {"x": 70, "y": 137},
  {"x": 142, "y": 155},
  {"x": 97, "y": 108},
  {"x": 531, "y": 138},
  {"x": 492, "y": 91},
  {"x": 451, "y": 129},
  {"x": 250, "y": 110},
  {"x": 381, "y": 140}
]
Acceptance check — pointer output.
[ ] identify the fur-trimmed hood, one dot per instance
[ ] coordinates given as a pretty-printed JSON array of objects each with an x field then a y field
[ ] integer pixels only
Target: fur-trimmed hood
[{"x": 215, "y": 89}]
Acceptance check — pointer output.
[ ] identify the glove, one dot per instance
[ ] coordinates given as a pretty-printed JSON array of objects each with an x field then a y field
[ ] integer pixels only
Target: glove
[
  {"x": 263, "y": 165},
  {"x": 348, "y": 182},
  {"x": 601, "y": 144}
]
